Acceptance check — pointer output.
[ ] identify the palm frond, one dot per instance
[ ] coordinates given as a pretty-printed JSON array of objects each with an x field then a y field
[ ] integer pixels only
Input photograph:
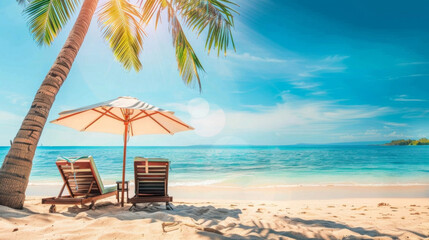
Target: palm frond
[
  {"x": 22, "y": 2},
  {"x": 216, "y": 15},
  {"x": 47, "y": 17},
  {"x": 119, "y": 21},
  {"x": 150, "y": 8},
  {"x": 187, "y": 61}
]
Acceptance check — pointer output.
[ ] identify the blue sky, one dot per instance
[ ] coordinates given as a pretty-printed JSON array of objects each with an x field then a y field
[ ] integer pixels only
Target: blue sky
[{"x": 304, "y": 72}]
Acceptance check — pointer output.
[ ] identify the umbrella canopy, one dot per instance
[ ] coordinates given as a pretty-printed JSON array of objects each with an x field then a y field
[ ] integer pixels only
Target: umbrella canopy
[
  {"x": 109, "y": 117},
  {"x": 123, "y": 115}
]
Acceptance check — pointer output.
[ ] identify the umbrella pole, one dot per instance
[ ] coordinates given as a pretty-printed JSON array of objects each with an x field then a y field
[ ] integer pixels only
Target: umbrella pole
[{"x": 123, "y": 163}]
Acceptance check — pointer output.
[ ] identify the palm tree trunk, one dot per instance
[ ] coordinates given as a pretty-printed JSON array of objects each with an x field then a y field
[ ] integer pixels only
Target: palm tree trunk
[{"x": 16, "y": 167}]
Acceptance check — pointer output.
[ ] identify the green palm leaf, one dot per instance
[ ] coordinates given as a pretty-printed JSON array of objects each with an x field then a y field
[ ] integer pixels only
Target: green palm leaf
[
  {"x": 119, "y": 21},
  {"x": 47, "y": 17},
  {"x": 216, "y": 15},
  {"x": 187, "y": 61}
]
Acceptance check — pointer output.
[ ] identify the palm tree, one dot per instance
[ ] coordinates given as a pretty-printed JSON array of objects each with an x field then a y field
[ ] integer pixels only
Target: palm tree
[{"x": 122, "y": 24}]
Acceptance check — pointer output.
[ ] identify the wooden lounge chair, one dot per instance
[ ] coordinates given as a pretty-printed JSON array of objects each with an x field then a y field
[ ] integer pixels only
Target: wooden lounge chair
[
  {"x": 83, "y": 183},
  {"x": 151, "y": 181}
]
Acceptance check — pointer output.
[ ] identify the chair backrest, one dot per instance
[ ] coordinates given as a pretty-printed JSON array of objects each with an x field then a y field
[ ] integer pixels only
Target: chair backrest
[
  {"x": 80, "y": 177},
  {"x": 151, "y": 176}
]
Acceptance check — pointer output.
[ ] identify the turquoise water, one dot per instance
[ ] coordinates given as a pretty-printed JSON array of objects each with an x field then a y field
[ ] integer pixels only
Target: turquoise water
[{"x": 261, "y": 166}]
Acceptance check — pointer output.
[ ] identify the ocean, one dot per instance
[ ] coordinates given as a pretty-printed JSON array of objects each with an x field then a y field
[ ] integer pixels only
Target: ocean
[{"x": 255, "y": 166}]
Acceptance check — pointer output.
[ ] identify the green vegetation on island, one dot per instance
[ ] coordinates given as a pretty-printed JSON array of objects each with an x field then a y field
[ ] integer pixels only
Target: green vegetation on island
[{"x": 408, "y": 142}]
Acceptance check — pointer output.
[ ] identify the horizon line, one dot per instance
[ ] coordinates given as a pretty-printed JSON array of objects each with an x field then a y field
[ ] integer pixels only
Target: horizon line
[{"x": 225, "y": 145}]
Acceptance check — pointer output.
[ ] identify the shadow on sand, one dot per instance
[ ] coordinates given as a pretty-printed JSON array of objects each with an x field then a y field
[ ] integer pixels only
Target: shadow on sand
[
  {"x": 210, "y": 216},
  {"x": 319, "y": 229},
  {"x": 313, "y": 228},
  {"x": 156, "y": 211}
]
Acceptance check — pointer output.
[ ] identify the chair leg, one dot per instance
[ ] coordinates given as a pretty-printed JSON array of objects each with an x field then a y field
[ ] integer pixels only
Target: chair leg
[
  {"x": 52, "y": 209},
  {"x": 132, "y": 207},
  {"x": 168, "y": 206},
  {"x": 92, "y": 205}
]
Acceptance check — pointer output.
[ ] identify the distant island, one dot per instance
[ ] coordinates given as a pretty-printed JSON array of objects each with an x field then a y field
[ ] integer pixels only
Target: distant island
[{"x": 408, "y": 142}]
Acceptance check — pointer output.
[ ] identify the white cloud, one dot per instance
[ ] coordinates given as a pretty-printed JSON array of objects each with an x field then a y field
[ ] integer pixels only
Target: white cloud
[
  {"x": 335, "y": 58},
  {"x": 300, "y": 71},
  {"x": 304, "y": 85},
  {"x": 372, "y": 132},
  {"x": 309, "y": 69},
  {"x": 356, "y": 112},
  {"x": 16, "y": 98},
  {"x": 249, "y": 57},
  {"x": 294, "y": 115},
  {"x": 412, "y": 63},
  {"x": 179, "y": 107},
  {"x": 418, "y": 75},
  {"x": 408, "y": 100},
  {"x": 410, "y": 76},
  {"x": 198, "y": 108},
  {"x": 395, "y": 134},
  {"x": 9, "y": 117},
  {"x": 293, "y": 118},
  {"x": 415, "y": 113},
  {"x": 207, "y": 119},
  {"x": 324, "y": 68},
  {"x": 394, "y": 124},
  {"x": 306, "y": 75},
  {"x": 332, "y": 63},
  {"x": 347, "y": 137},
  {"x": 211, "y": 124},
  {"x": 405, "y": 98},
  {"x": 318, "y": 93},
  {"x": 9, "y": 125}
]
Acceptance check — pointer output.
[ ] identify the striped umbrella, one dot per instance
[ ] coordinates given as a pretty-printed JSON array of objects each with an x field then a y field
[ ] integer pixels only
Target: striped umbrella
[{"x": 124, "y": 115}]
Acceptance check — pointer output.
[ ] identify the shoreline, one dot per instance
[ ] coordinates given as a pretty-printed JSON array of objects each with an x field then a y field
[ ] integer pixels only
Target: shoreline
[{"x": 281, "y": 193}]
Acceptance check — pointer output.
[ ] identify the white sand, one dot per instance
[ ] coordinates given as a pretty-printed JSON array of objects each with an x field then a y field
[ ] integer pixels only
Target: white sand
[{"x": 399, "y": 218}]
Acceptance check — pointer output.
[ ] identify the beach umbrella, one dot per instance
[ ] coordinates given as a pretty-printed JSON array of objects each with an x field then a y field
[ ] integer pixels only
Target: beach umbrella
[{"x": 127, "y": 116}]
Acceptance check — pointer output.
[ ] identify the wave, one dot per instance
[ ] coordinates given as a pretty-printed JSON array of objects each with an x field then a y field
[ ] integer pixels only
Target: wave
[
  {"x": 171, "y": 184},
  {"x": 216, "y": 183},
  {"x": 345, "y": 185}
]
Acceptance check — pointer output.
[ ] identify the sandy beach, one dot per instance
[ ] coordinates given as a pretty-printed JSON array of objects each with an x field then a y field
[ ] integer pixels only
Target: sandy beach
[
  {"x": 222, "y": 119},
  {"x": 232, "y": 210},
  {"x": 356, "y": 218}
]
